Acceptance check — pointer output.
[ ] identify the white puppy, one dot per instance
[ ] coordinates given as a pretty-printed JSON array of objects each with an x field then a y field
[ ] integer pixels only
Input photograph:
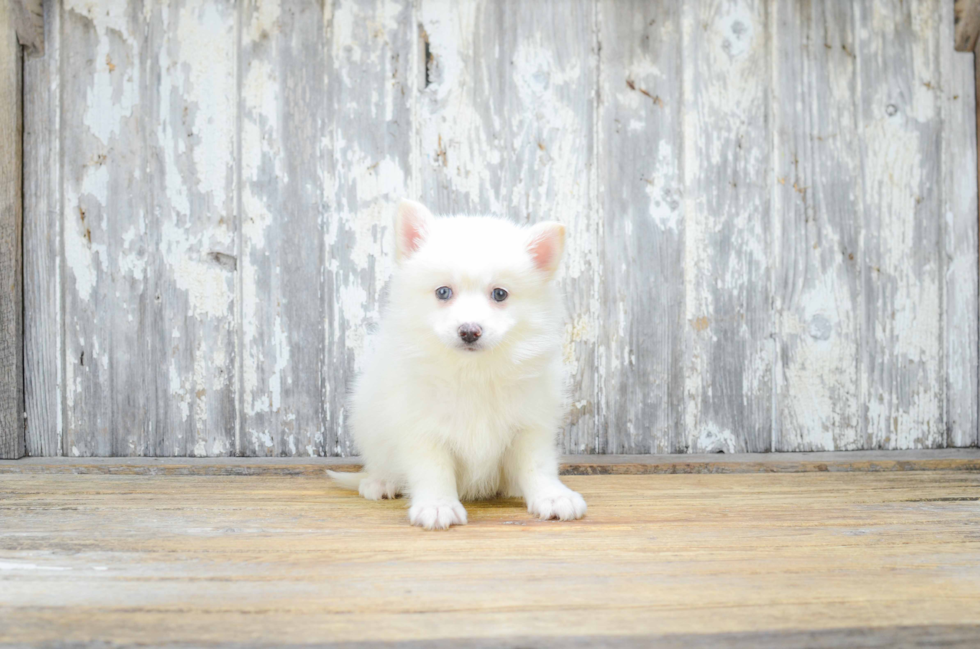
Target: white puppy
[{"x": 462, "y": 395}]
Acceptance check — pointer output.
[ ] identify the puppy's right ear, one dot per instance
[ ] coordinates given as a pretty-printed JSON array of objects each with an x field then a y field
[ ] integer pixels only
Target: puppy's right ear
[{"x": 412, "y": 222}]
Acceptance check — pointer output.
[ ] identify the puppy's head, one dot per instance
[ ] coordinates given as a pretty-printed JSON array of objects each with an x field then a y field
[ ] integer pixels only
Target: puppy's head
[{"x": 474, "y": 283}]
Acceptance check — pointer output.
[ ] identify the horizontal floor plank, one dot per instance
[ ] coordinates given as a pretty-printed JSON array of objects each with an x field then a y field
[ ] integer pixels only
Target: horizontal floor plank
[{"x": 962, "y": 459}]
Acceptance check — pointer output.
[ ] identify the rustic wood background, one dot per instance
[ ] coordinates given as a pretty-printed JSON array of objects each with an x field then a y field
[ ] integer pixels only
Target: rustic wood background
[{"x": 772, "y": 210}]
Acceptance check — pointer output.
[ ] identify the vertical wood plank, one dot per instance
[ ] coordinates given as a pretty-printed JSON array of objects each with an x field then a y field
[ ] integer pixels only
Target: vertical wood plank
[
  {"x": 101, "y": 176},
  {"x": 11, "y": 260},
  {"x": 816, "y": 252},
  {"x": 959, "y": 171},
  {"x": 285, "y": 125},
  {"x": 507, "y": 128},
  {"x": 642, "y": 317},
  {"x": 374, "y": 74},
  {"x": 148, "y": 227},
  {"x": 727, "y": 226},
  {"x": 188, "y": 107},
  {"x": 326, "y": 146},
  {"x": 900, "y": 111},
  {"x": 43, "y": 348}
]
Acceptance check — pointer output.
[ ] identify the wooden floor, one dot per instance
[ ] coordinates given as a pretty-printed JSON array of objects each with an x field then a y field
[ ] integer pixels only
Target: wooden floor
[{"x": 747, "y": 560}]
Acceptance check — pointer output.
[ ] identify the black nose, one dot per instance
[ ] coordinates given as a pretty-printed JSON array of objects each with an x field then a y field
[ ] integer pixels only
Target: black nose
[{"x": 469, "y": 332}]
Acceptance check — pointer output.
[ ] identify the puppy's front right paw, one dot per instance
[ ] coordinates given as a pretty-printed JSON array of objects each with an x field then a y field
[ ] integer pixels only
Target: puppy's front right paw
[
  {"x": 437, "y": 514},
  {"x": 558, "y": 502}
]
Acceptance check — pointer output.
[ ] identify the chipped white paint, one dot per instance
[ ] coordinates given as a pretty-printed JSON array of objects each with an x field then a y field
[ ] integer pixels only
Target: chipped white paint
[
  {"x": 771, "y": 213},
  {"x": 817, "y": 292},
  {"x": 727, "y": 209}
]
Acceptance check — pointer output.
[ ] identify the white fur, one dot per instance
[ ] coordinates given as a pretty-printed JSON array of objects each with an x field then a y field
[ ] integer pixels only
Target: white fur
[{"x": 439, "y": 420}]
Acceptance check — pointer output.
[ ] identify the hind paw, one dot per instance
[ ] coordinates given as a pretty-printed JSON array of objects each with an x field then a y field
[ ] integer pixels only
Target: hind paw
[
  {"x": 375, "y": 489},
  {"x": 437, "y": 514}
]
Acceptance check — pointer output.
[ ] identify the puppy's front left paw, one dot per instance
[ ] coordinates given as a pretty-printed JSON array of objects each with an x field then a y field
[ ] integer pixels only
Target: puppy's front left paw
[
  {"x": 437, "y": 514},
  {"x": 557, "y": 502}
]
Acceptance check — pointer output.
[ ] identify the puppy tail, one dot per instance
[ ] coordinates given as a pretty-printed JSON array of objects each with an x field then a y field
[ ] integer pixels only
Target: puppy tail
[{"x": 348, "y": 480}]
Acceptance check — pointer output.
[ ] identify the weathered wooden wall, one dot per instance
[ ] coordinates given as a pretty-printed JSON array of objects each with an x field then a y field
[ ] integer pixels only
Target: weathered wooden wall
[{"x": 772, "y": 212}]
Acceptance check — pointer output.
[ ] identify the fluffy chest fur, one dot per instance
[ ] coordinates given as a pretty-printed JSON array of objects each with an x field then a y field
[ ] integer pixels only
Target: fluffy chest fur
[{"x": 474, "y": 408}]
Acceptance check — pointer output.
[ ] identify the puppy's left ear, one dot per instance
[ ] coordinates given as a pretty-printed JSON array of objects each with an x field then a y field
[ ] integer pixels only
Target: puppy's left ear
[
  {"x": 412, "y": 222},
  {"x": 546, "y": 242}
]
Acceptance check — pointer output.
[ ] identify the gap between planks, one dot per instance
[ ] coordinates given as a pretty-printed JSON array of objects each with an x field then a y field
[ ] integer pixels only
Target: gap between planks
[{"x": 852, "y": 461}]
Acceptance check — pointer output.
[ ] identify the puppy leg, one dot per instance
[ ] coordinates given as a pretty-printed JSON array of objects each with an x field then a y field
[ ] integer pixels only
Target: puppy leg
[
  {"x": 531, "y": 469},
  {"x": 376, "y": 489},
  {"x": 432, "y": 486}
]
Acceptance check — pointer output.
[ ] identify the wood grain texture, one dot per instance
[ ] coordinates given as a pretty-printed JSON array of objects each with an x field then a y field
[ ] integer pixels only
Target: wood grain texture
[
  {"x": 326, "y": 151},
  {"x": 209, "y": 188},
  {"x": 506, "y": 127},
  {"x": 285, "y": 116},
  {"x": 43, "y": 260},
  {"x": 642, "y": 335},
  {"x": 966, "y": 24},
  {"x": 903, "y": 389},
  {"x": 727, "y": 226},
  {"x": 817, "y": 293},
  {"x": 373, "y": 75},
  {"x": 101, "y": 176},
  {"x": 11, "y": 253},
  {"x": 833, "y": 462},
  {"x": 960, "y": 221},
  {"x": 285, "y": 560},
  {"x": 148, "y": 177},
  {"x": 190, "y": 208}
]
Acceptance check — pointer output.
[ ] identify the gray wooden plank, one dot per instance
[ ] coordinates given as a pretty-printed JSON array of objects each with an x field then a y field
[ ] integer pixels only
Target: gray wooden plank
[
  {"x": 958, "y": 459},
  {"x": 11, "y": 259},
  {"x": 817, "y": 297},
  {"x": 506, "y": 127},
  {"x": 326, "y": 146},
  {"x": 903, "y": 382},
  {"x": 102, "y": 198},
  {"x": 960, "y": 211},
  {"x": 285, "y": 160},
  {"x": 43, "y": 348},
  {"x": 375, "y": 76},
  {"x": 727, "y": 212},
  {"x": 641, "y": 302},
  {"x": 187, "y": 107},
  {"x": 148, "y": 173}
]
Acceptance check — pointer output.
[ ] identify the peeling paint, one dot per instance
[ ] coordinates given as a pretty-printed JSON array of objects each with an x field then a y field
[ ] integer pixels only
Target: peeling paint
[{"x": 723, "y": 303}]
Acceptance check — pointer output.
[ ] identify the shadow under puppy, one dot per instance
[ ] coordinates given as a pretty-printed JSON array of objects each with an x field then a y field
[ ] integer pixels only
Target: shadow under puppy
[{"x": 462, "y": 393}]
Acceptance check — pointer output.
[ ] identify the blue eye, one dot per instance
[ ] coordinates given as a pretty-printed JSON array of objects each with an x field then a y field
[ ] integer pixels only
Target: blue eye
[
  {"x": 444, "y": 292},
  {"x": 499, "y": 295}
]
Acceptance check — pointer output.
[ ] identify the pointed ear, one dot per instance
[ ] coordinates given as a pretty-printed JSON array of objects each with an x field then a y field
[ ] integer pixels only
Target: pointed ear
[
  {"x": 546, "y": 242},
  {"x": 412, "y": 221}
]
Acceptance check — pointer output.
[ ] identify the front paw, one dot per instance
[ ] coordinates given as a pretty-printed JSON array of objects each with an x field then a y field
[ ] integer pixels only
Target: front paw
[
  {"x": 437, "y": 514},
  {"x": 557, "y": 502}
]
